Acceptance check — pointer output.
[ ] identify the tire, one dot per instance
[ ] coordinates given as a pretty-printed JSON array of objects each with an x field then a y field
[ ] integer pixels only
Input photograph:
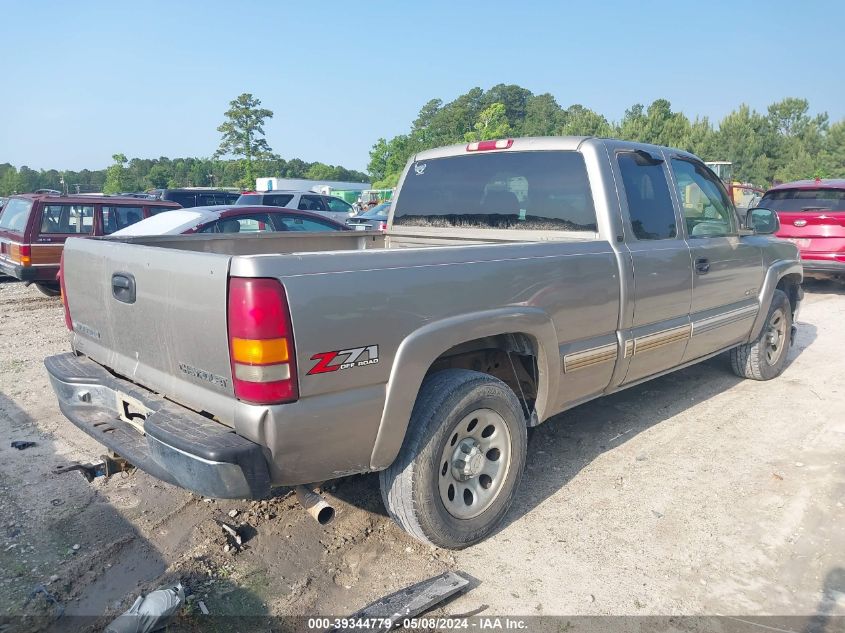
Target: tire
[
  {"x": 49, "y": 289},
  {"x": 765, "y": 357},
  {"x": 415, "y": 487}
]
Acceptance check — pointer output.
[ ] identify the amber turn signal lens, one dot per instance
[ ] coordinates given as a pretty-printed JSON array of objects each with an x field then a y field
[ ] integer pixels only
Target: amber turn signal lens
[{"x": 259, "y": 351}]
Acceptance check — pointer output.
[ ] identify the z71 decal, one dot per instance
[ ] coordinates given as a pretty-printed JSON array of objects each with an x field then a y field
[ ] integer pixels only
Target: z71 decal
[{"x": 344, "y": 359}]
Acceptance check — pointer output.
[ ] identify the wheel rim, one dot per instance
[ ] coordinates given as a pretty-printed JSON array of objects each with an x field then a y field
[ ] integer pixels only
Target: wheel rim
[
  {"x": 474, "y": 464},
  {"x": 775, "y": 336}
]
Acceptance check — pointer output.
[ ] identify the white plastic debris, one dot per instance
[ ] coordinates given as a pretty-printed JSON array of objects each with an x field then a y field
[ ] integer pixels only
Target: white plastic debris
[{"x": 150, "y": 612}]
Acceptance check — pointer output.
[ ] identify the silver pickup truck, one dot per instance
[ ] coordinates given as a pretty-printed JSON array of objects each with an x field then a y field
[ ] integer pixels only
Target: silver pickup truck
[{"x": 517, "y": 278}]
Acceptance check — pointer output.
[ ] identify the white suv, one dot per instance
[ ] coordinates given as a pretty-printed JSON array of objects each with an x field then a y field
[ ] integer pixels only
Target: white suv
[{"x": 329, "y": 206}]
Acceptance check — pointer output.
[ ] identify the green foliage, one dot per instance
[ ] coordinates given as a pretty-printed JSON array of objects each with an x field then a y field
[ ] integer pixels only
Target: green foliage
[
  {"x": 140, "y": 174},
  {"x": 243, "y": 133},
  {"x": 785, "y": 143},
  {"x": 492, "y": 123},
  {"x": 118, "y": 177}
]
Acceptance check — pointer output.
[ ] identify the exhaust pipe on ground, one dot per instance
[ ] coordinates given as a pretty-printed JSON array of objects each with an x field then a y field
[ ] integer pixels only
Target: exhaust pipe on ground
[{"x": 314, "y": 504}]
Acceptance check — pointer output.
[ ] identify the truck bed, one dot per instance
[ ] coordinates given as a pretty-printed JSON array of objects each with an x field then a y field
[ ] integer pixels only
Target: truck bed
[{"x": 288, "y": 243}]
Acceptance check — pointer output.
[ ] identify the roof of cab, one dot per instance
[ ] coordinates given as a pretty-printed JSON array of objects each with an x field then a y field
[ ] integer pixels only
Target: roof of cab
[{"x": 544, "y": 143}]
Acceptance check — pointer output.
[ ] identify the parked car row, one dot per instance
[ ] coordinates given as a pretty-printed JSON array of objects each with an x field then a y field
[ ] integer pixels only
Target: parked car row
[{"x": 34, "y": 227}]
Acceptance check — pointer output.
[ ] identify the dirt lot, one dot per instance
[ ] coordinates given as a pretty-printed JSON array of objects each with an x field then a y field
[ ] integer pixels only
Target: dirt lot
[{"x": 695, "y": 493}]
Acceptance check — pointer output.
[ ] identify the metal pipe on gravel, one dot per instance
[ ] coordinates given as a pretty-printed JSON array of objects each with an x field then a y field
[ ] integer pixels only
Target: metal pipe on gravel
[{"x": 314, "y": 504}]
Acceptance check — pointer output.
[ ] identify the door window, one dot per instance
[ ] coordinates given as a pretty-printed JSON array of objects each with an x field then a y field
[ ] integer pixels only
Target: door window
[
  {"x": 116, "y": 218},
  {"x": 339, "y": 206},
  {"x": 311, "y": 203},
  {"x": 708, "y": 211},
  {"x": 67, "y": 218},
  {"x": 253, "y": 223},
  {"x": 647, "y": 192},
  {"x": 294, "y": 223}
]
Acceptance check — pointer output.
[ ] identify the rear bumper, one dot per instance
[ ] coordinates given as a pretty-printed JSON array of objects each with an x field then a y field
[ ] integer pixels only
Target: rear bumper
[
  {"x": 24, "y": 273},
  {"x": 827, "y": 266},
  {"x": 178, "y": 445}
]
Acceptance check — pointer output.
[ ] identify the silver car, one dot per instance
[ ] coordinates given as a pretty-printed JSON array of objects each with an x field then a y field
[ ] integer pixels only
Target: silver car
[{"x": 328, "y": 206}]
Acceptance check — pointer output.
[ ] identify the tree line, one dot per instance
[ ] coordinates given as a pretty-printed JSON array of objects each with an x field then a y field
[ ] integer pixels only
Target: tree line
[
  {"x": 141, "y": 174},
  {"x": 784, "y": 143}
]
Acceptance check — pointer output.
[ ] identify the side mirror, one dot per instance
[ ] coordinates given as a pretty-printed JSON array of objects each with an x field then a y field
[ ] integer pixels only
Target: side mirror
[{"x": 762, "y": 221}]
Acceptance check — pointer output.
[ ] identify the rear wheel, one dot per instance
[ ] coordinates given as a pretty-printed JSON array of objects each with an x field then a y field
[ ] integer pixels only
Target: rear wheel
[
  {"x": 49, "y": 289},
  {"x": 463, "y": 456},
  {"x": 765, "y": 357}
]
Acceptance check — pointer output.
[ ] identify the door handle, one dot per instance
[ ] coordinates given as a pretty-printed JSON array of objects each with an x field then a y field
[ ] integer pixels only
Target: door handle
[
  {"x": 702, "y": 265},
  {"x": 123, "y": 287}
]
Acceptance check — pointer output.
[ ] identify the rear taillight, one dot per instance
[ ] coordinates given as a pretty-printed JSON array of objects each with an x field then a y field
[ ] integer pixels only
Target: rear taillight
[
  {"x": 60, "y": 276},
  {"x": 261, "y": 342},
  {"x": 22, "y": 254},
  {"x": 382, "y": 226},
  {"x": 485, "y": 146}
]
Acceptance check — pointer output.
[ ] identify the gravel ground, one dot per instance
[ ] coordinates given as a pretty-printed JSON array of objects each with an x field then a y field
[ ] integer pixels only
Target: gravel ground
[{"x": 697, "y": 493}]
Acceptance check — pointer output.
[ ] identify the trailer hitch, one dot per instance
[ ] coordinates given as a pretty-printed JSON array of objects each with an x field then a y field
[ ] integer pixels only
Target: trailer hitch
[{"x": 106, "y": 468}]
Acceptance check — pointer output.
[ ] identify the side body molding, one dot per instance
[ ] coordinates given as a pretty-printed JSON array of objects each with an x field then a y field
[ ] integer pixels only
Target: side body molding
[
  {"x": 422, "y": 347},
  {"x": 776, "y": 271}
]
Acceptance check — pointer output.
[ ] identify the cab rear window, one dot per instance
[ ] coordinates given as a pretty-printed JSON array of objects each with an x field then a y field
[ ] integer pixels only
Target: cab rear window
[
  {"x": 804, "y": 200},
  {"x": 504, "y": 190},
  {"x": 15, "y": 214}
]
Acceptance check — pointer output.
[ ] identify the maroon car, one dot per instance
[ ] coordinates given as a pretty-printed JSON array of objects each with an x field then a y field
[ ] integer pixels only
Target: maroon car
[
  {"x": 812, "y": 215},
  {"x": 34, "y": 227}
]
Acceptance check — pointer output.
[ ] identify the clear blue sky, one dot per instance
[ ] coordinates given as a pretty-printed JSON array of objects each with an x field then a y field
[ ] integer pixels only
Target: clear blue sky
[{"x": 83, "y": 80}]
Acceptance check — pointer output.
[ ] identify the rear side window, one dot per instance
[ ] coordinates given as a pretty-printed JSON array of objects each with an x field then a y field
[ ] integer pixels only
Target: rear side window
[
  {"x": 67, "y": 219},
  {"x": 207, "y": 200},
  {"x": 276, "y": 199},
  {"x": 15, "y": 214},
  {"x": 647, "y": 192},
  {"x": 501, "y": 190},
  {"x": 250, "y": 198},
  {"x": 116, "y": 218},
  {"x": 185, "y": 198},
  {"x": 227, "y": 197},
  {"x": 804, "y": 200}
]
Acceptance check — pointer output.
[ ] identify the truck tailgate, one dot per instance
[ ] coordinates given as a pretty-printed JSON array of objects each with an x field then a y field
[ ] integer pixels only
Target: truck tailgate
[{"x": 155, "y": 316}]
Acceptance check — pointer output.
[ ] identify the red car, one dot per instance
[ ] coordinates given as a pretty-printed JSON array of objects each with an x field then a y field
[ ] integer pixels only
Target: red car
[{"x": 812, "y": 215}]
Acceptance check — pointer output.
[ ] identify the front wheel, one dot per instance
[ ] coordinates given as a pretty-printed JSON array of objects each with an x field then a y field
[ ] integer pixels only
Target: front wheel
[
  {"x": 765, "y": 357},
  {"x": 463, "y": 456}
]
